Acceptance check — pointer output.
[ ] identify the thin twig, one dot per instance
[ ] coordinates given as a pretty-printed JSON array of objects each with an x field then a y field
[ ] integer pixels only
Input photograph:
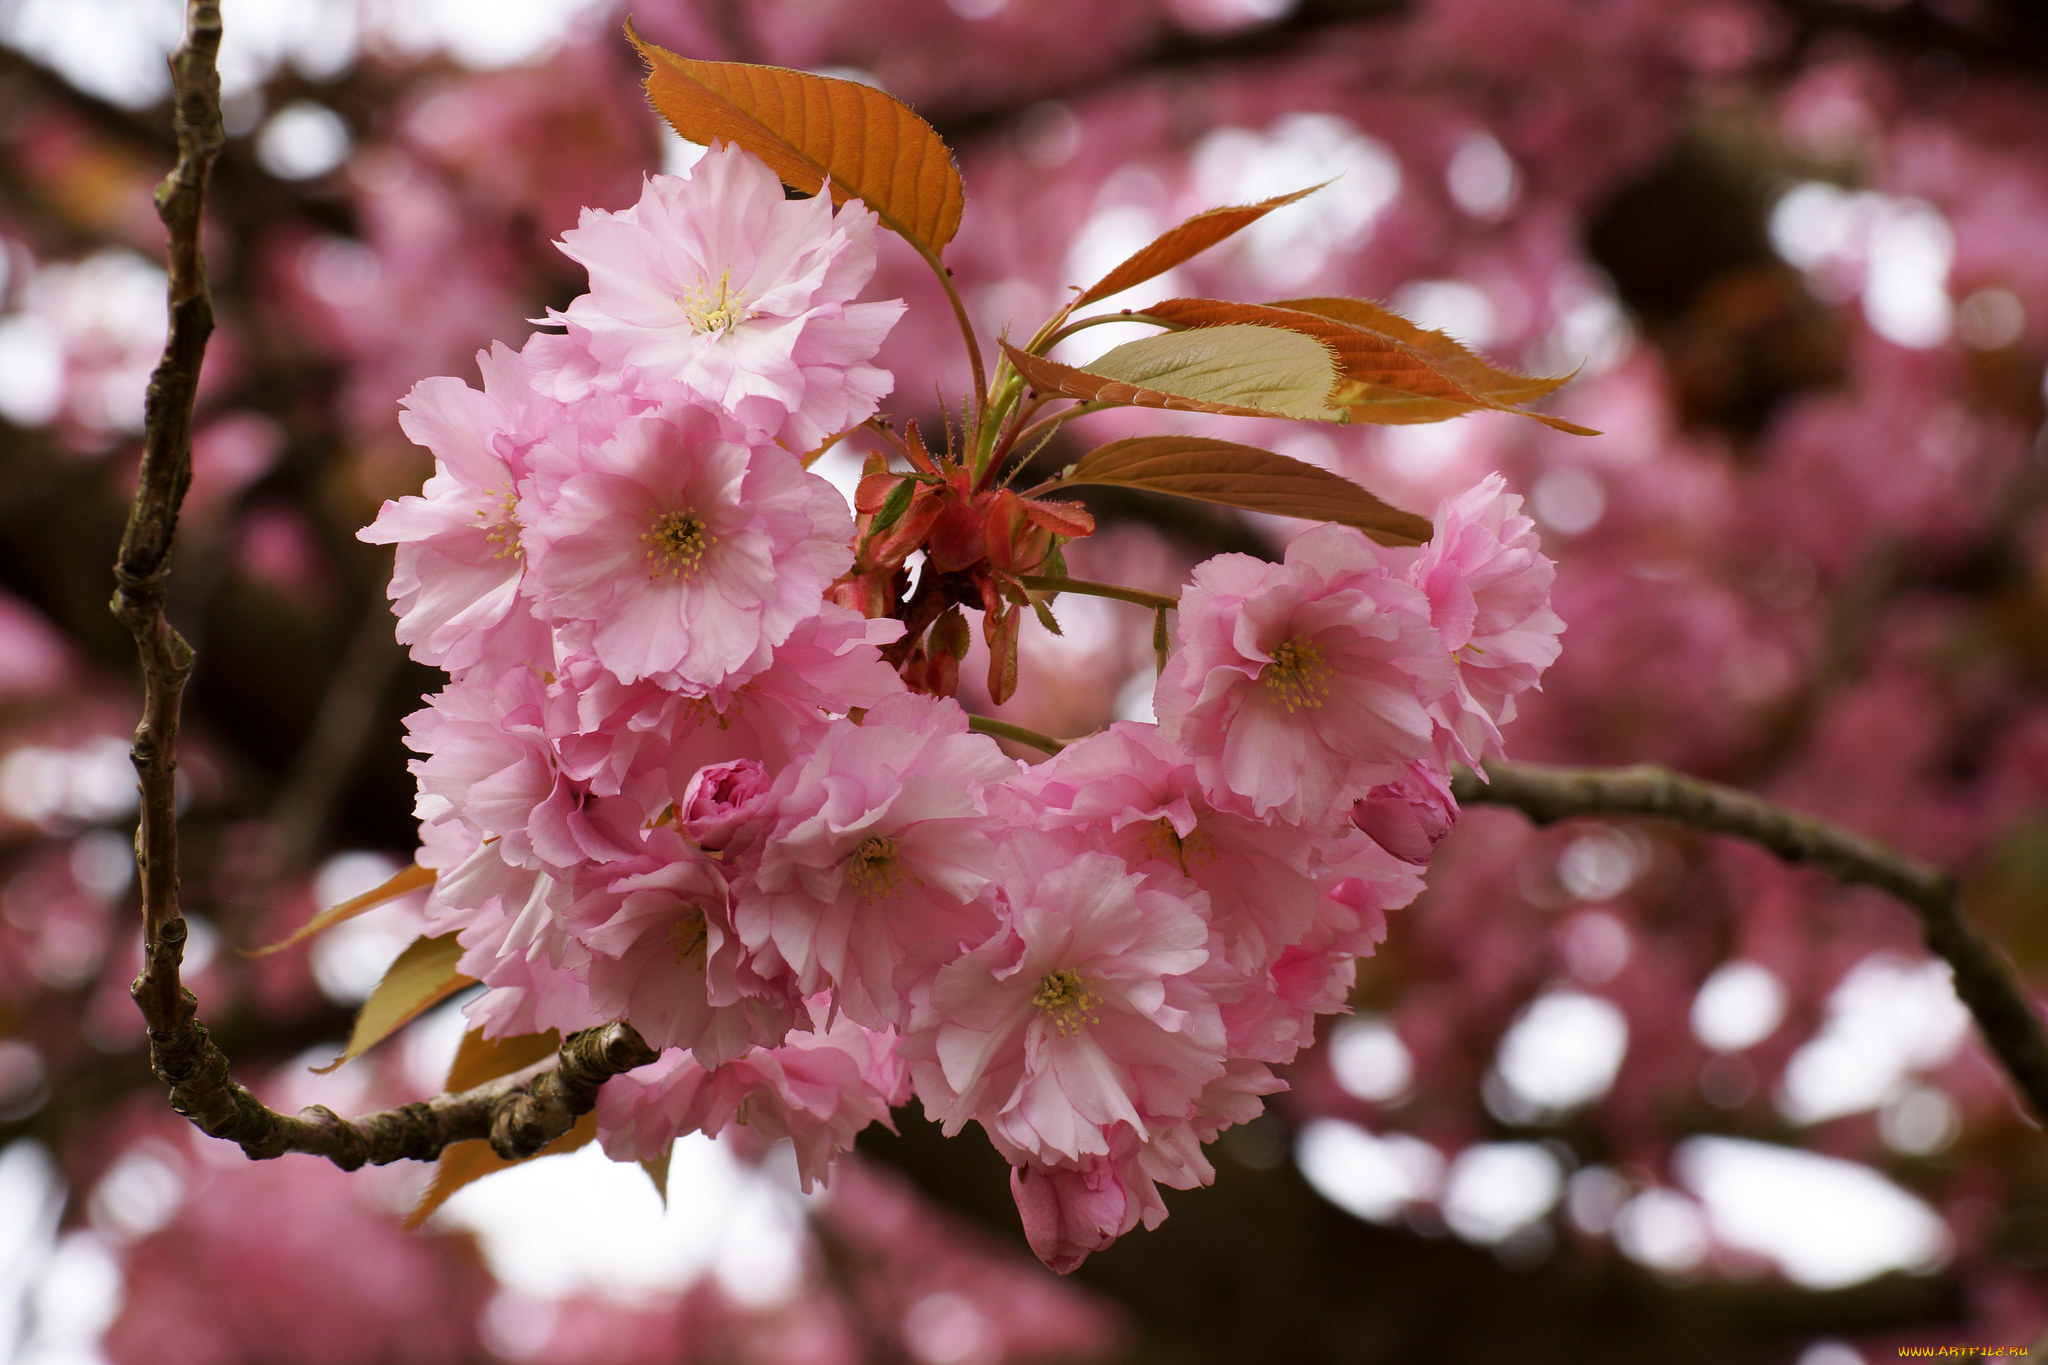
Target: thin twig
[
  {"x": 2009, "y": 1021},
  {"x": 1158, "y": 601},
  {"x": 519, "y": 1114},
  {"x": 1003, "y": 729}
]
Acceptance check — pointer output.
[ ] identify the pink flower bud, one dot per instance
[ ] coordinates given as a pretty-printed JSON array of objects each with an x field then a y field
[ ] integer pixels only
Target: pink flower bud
[
  {"x": 1410, "y": 817},
  {"x": 720, "y": 799}
]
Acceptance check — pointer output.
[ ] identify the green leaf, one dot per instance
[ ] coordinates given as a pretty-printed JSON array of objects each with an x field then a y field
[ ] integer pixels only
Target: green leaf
[
  {"x": 1181, "y": 243},
  {"x": 814, "y": 131},
  {"x": 1236, "y": 371},
  {"x": 1247, "y": 477},
  {"x": 407, "y": 880},
  {"x": 894, "y": 506},
  {"x": 423, "y": 976},
  {"x": 1045, "y": 616}
]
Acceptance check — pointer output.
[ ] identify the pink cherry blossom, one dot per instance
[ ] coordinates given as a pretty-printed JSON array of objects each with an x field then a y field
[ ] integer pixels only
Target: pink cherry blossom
[
  {"x": 1136, "y": 795},
  {"x": 720, "y": 286},
  {"x": 1489, "y": 598},
  {"x": 675, "y": 550},
  {"x": 1079, "y": 1013},
  {"x": 456, "y": 581},
  {"x": 880, "y": 854},
  {"x": 663, "y": 957},
  {"x": 1298, "y": 687},
  {"x": 817, "y": 1091},
  {"x": 721, "y": 800}
]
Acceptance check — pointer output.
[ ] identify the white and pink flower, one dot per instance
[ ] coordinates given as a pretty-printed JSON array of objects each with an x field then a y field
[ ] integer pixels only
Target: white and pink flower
[
  {"x": 674, "y": 550},
  {"x": 717, "y": 286},
  {"x": 1299, "y": 687}
]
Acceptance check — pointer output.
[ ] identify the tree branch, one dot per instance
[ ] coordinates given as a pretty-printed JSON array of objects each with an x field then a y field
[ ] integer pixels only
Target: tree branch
[
  {"x": 2009, "y": 1021},
  {"x": 518, "y": 1114}
]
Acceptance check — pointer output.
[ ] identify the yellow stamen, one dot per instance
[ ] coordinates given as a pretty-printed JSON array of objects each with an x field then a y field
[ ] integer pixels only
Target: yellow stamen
[
  {"x": 677, "y": 542},
  {"x": 873, "y": 867},
  {"x": 689, "y": 935},
  {"x": 501, "y": 527},
  {"x": 719, "y": 312},
  {"x": 1067, "y": 1001},
  {"x": 1297, "y": 677},
  {"x": 1167, "y": 842}
]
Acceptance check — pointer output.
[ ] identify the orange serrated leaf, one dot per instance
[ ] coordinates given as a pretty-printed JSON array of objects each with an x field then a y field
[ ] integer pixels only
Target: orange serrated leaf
[
  {"x": 1386, "y": 379},
  {"x": 1450, "y": 355},
  {"x": 1050, "y": 378},
  {"x": 1184, "y": 242},
  {"x": 423, "y": 976},
  {"x": 813, "y": 130},
  {"x": 407, "y": 880},
  {"x": 1247, "y": 477},
  {"x": 465, "y": 1163}
]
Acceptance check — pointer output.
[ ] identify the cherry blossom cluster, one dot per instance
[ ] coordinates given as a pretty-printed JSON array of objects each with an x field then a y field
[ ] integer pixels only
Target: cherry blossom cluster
[{"x": 673, "y": 780}]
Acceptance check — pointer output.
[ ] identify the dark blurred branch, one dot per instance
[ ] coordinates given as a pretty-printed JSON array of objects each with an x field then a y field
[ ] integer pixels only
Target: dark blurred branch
[
  {"x": 345, "y": 722},
  {"x": 143, "y": 567},
  {"x": 1986, "y": 984},
  {"x": 518, "y": 1114}
]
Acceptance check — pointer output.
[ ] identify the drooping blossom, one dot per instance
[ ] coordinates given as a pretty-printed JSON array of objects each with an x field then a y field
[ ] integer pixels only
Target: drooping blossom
[
  {"x": 675, "y": 549},
  {"x": 1298, "y": 687},
  {"x": 1136, "y": 794},
  {"x": 816, "y": 1091},
  {"x": 664, "y": 958},
  {"x": 1488, "y": 584},
  {"x": 1079, "y": 1013},
  {"x": 719, "y": 286},
  {"x": 881, "y": 851}
]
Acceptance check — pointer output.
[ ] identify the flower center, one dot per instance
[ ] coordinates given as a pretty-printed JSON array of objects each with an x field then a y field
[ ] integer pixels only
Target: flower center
[
  {"x": 677, "y": 542},
  {"x": 501, "y": 527},
  {"x": 1067, "y": 1001},
  {"x": 710, "y": 312},
  {"x": 689, "y": 936},
  {"x": 1170, "y": 844},
  {"x": 1298, "y": 678},
  {"x": 875, "y": 867}
]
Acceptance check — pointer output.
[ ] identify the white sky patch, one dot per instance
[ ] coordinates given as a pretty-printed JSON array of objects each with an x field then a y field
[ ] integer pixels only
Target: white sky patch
[
  {"x": 57, "y": 1293},
  {"x": 483, "y": 35},
  {"x": 302, "y": 140},
  {"x": 1601, "y": 863},
  {"x": 1737, "y": 1007},
  {"x": 1888, "y": 1019},
  {"x": 31, "y": 371},
  {"x": 318, "y": 38},
  {"x": 1563, "y": 1051},
  {"x": 1369, "y": 1060},
  {"x": 349, "y": 959},
  {"x": 113, "y": 49},
  {"x": 566, "y": 1225},
  {"x": 1371, "y": 1177},
  {"x": 1289, "y": 247},
  {"x": 1663, "y": 1230},
  {"x": 1456, "y": 307},
  {"x": 1494, "y": 1189},
  {"x": 1825, "y": 1223},
  {"x": 140, "y": 1193},
  {"x": 1895, "y": 252},
  {"x": 87, "y": 784},
  {"x": 1482, "y": 177}
]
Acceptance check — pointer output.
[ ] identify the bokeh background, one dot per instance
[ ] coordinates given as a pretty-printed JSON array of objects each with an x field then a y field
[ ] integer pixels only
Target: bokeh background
[{"x": 1611, "y": 1092}]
